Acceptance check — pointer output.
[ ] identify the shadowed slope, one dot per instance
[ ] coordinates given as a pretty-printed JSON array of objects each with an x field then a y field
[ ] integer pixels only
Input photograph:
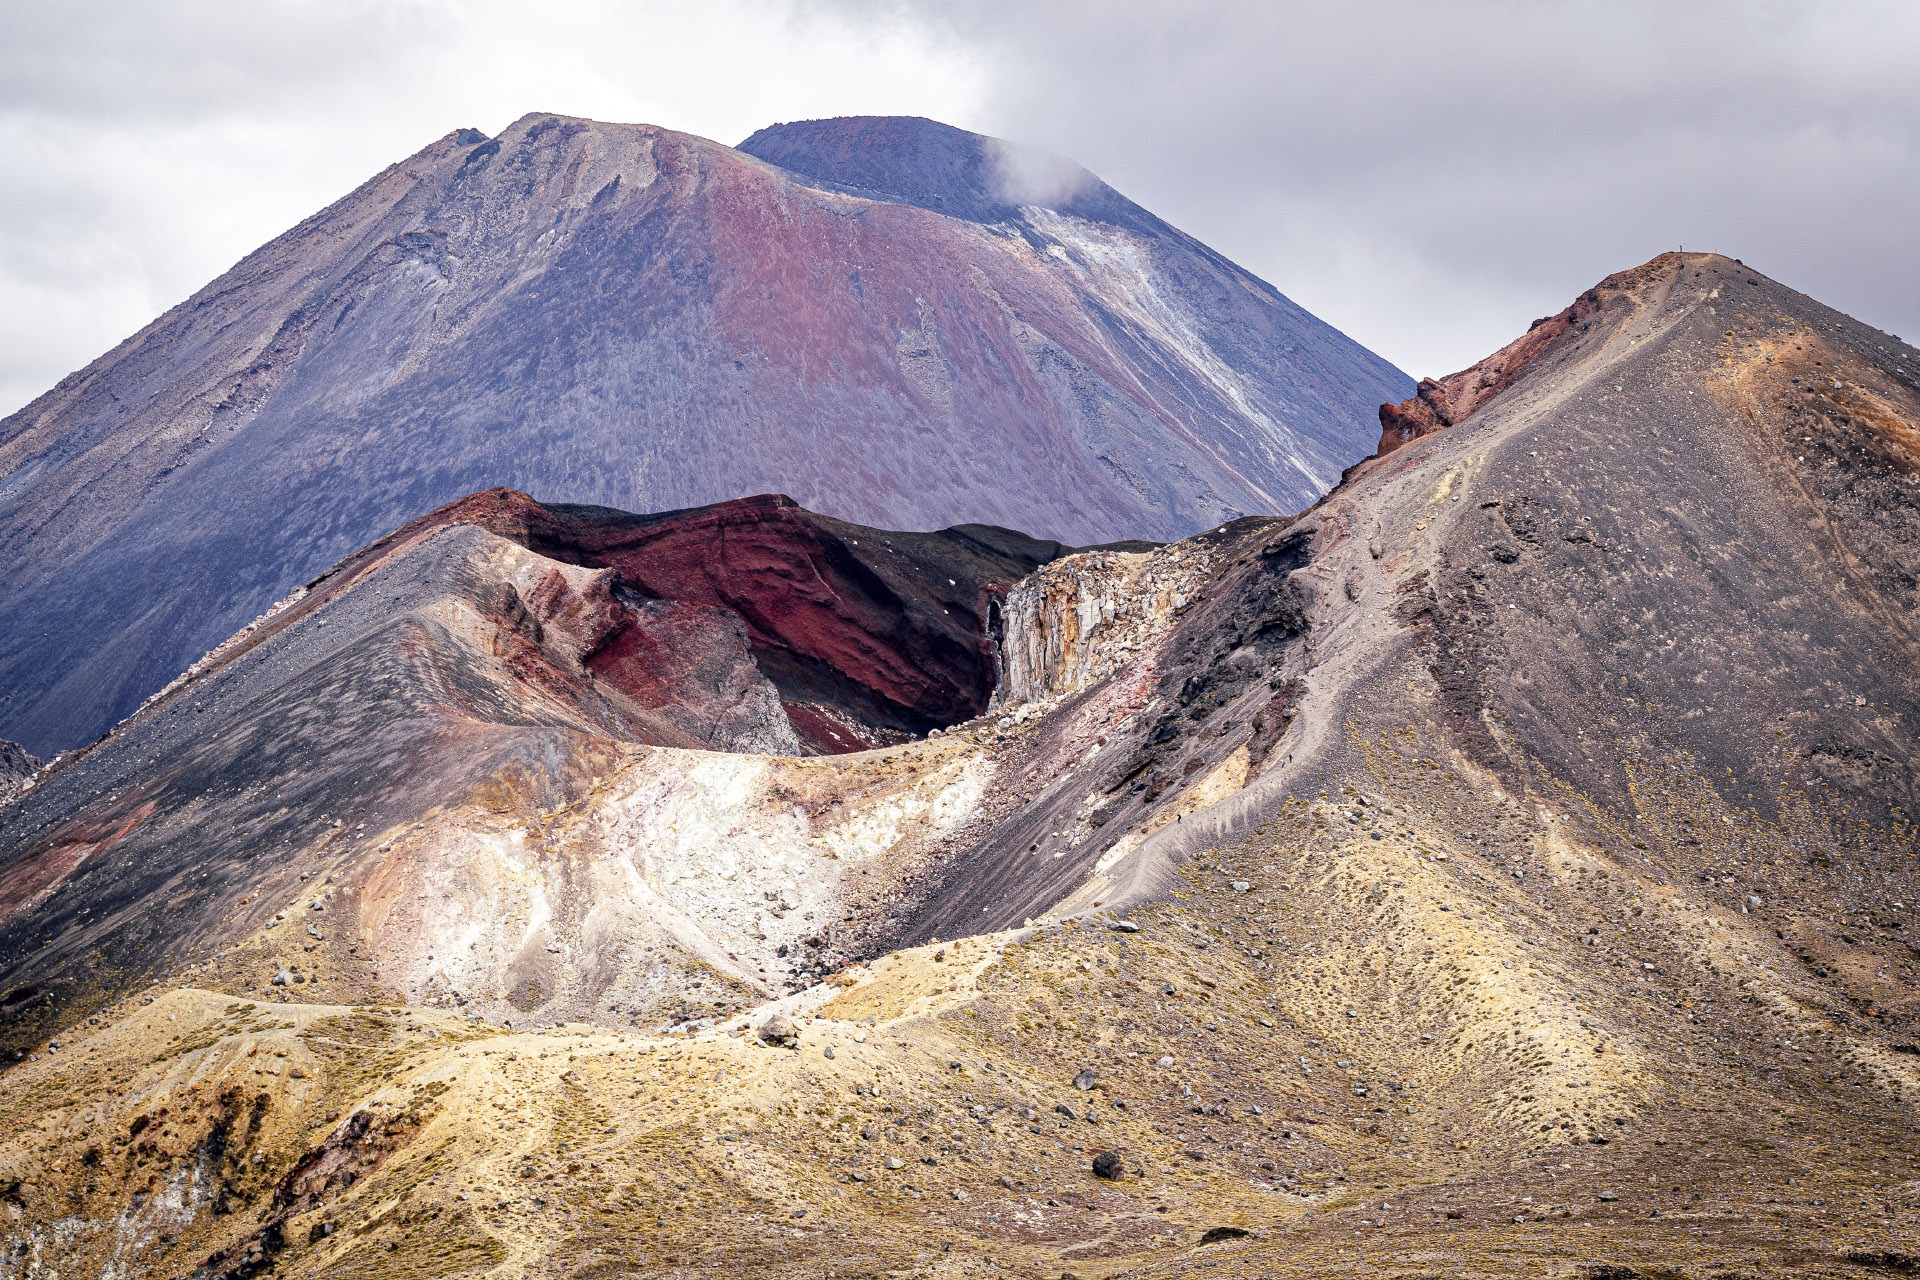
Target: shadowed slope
[{"x": 1691, "y": 528}]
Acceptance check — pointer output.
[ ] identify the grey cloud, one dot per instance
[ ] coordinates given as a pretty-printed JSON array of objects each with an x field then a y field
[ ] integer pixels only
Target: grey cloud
[
  {"x": 1432, "y": 176},
  {"x": 1028, "y": 175},
  {"x": 143, "y": 67}
]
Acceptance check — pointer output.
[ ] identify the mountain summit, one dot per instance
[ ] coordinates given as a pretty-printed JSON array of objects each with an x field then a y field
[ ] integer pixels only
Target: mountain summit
[
  {"x": 907, "y": 160},
  {"x": 896, "y": 322}
]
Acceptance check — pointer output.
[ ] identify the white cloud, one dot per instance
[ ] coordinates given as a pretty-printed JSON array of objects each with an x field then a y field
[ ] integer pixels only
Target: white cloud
[{"x": 1028, "y": 175}]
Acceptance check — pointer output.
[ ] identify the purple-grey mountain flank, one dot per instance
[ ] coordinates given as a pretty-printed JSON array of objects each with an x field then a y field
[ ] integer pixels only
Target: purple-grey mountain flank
[{"x": 882, "y": 318}]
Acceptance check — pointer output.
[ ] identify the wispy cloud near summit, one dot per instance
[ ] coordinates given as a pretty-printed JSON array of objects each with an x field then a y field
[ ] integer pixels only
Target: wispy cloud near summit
[
  {"x": 1029, "y": 175},
  {"x": 1431, "y": 177}
]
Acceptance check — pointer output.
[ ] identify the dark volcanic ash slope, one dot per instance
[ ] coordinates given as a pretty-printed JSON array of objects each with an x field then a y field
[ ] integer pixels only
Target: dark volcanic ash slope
[
  {"x": 624, "y": 315},
  {"x": 1692, "y": 524},
  {"x": 1660, "y": 555}
]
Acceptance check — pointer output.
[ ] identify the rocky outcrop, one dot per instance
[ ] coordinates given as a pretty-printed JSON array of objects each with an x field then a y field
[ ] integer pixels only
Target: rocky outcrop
[
  {"x": 1081, "y": 618},
  {"x": 16, "y": 766},
  {"x": 1437, "y": 405}
]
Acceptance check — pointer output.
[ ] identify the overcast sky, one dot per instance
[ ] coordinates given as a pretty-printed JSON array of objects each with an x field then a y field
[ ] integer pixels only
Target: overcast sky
[{"x": 1428, "y": 176}]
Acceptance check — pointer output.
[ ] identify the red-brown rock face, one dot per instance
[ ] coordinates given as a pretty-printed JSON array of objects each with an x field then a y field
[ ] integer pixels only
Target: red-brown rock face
[
  {"x": 1436, "y": 405},
  {"x": 867, "y": 635}
]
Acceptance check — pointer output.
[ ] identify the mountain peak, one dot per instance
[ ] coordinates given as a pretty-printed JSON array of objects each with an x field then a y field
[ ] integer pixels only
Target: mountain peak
[
  {"x": 1439, "y": 403},
  {"x": 911, "y": 160}
]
